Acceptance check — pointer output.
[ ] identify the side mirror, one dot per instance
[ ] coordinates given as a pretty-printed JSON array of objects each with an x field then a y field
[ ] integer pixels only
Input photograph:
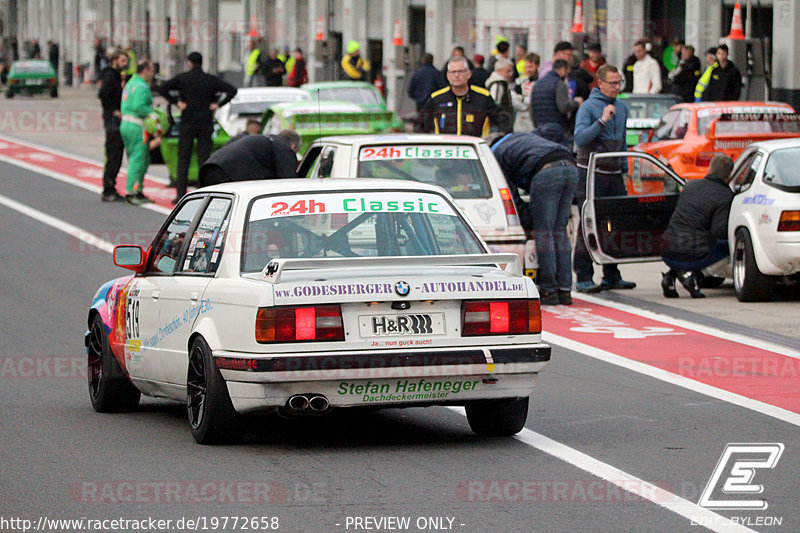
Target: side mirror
[{"x": 130, "y": 256}]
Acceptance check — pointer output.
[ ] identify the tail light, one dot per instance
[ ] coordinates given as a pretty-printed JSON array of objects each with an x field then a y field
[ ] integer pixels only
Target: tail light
[
  {"x": 703, "y": 159},
  {"x": 508, "y": 205},
  {"x": 299, "y": 324},
  {"x": 790, "y": 221},
  {"x": 500, "y": 317}
]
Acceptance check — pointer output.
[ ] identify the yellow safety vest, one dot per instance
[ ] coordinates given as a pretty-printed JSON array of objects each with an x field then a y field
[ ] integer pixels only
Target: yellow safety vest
[
  {"x": 702, "y": 83},
  {"x": 131, "y": 63},
  {"x": 251, "y": 66}
]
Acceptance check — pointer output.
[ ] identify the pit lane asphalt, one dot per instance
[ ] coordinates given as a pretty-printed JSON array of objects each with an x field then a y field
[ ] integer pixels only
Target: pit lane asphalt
[{"x": 393, "y": 462}]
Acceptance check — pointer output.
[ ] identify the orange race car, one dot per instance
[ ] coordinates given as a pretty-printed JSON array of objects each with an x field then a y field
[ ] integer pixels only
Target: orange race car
[{"x": 688, "y": 135}]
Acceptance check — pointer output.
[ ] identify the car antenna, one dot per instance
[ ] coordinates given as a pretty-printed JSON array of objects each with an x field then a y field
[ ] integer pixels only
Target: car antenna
[{"x": 319, "y": 114}]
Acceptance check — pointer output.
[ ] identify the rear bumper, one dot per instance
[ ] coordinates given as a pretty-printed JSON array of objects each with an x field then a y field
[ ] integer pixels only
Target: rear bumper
[{"x": 390, "y": 378}]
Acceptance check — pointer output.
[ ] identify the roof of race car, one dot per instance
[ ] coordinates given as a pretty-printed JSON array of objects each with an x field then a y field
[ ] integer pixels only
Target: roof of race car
[
  {"x": 401, "y": 138},
  {"x": 249, "y": 189}
]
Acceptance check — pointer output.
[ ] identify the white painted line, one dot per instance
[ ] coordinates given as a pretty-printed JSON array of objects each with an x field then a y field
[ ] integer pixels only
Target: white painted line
[
  {"x": 56, "y": 151},
  {"x": 73, "y": 181},
  {"x": 734, "y": 337},
  {"x": 675, "y": 379},
  {"x": 625, "y": 481},
  {"x": 58, "y": 224}
]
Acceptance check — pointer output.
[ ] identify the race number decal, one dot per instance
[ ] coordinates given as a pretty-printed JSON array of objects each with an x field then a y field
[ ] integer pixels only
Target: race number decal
[{"x": 132, "y": 319}]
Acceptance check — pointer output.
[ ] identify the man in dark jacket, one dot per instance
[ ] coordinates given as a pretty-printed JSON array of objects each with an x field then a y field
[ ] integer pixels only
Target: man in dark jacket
[
  {"x": 273, "y": 69},
  {"x": 726, "y": 80},
  {"x": 110, "y": 95},
  {"x": 253, "y": 157},
  {"x": 697, "y": 235},
  {"x": 550, "y": 100},
  {"x": 683, "y": 79},
  {"x": 546, "y": 169},
  {"x": 423, "y": 82},
  {"x": 460, "y": 108},
  {"x": 198, "y": 94},
  {"x": 600, "y": 127}
]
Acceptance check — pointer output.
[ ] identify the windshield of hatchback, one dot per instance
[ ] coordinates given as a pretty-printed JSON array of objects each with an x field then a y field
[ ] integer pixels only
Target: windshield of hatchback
[
  {"x": 32, "y": 68},
  {"x": 353, "y": 224},
  {"x": 781, "y": 168},
  {"x": 454, "y": 167}
]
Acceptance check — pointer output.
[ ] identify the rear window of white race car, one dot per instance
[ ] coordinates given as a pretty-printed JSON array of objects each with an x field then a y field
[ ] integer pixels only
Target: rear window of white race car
[
  {"x": 454, "y": 167},
  {"x": 353, "y": 224}
]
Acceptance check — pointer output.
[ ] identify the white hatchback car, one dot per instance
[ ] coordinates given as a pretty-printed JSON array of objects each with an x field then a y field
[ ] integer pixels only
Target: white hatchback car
[
  {"x": 251, "y": 102},
  {"x": 462, "y": 165},
  {"x": 303, "y": 296}
]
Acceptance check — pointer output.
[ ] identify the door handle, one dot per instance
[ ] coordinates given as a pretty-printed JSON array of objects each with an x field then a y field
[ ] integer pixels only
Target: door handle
[
  {"x": 155, "y": 294},
  {"x": 194, "y": 296}
]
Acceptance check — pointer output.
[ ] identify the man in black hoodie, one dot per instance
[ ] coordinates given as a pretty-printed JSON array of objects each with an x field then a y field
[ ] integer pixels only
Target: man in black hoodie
[
  {"x": 726, "y": 80},
  {"x": 697, "y": 235},
  {"x": 110, "y": 95}
]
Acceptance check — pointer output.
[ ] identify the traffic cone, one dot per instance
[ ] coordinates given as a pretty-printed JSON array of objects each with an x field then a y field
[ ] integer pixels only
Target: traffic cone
[
  {"x": 736, "y": 25},
  {"x": 253, "y": 26},
  {"x": 577, "y": 20},
  {"x": 172, "y": 39},
  {"x": 398, "y": 33},
  {"x": 320, "y": 30}
]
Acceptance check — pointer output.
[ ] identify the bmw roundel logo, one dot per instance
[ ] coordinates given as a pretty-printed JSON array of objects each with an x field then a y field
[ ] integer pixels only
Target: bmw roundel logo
[{"x": 402, "y": 288}]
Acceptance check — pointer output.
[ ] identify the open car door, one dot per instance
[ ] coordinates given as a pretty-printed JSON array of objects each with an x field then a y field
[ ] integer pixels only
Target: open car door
[{"x": 628, "y": 228}]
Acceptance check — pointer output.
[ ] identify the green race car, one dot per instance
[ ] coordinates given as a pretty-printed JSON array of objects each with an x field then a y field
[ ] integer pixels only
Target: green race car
[
  {"x": 361, "y": 93},
  {"x": 315, "y": 119},
  {"x": 169, "y": 149},
  {"x": 32, "y": 76}
]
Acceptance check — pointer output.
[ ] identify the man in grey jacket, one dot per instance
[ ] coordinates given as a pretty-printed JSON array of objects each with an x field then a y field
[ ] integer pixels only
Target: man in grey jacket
[{"x": 600, "y": 127}]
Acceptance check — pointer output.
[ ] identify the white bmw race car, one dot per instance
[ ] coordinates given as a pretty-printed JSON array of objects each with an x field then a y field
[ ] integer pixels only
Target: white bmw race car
[{"x": 304, "y": 296}]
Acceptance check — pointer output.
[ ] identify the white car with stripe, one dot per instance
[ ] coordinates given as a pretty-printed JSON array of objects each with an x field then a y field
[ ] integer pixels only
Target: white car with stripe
[{"x": 304, "y": 296}]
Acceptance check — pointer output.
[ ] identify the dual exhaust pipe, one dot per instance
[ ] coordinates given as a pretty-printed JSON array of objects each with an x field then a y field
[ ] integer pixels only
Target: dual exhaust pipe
[{"x": 308, "y": 404}]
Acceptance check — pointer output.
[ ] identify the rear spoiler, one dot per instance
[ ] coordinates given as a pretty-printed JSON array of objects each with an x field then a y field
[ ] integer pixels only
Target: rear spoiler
[
  {"x": 771, "y": 125},
  {"x": 335, "y": 121},
  {"x": 275, "y": 268}
]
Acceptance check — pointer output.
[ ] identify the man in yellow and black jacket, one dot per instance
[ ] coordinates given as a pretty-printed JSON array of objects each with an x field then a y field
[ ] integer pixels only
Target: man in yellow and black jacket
[{"x": 459, "y": 108}]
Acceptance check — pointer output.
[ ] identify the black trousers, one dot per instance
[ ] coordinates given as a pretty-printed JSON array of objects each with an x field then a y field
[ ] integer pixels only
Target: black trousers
[
  {"x": 605, "y": 185},
  {"x": 114, "y": 151},
  {"x": 188, "y": 133}
]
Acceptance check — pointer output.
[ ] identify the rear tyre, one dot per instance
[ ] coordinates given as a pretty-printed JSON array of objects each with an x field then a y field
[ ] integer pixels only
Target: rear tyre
[
  {"x": 748, "y": 281},
  {"x": 212, "y": 418},
  {"x": 54, "y": 92},
  {"x": 109, "y": 388},
  {"x": 497, "y": 418},
  {"x": 9, "y": 94}
]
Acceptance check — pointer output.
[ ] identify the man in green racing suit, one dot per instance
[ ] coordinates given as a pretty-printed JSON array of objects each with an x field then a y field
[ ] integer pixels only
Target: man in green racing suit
[{"x": 137, "y": 104}]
